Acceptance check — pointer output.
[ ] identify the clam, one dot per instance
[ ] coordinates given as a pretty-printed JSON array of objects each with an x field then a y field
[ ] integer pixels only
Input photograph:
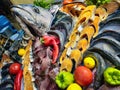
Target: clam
[
  {"x": 95, "y": 24},
  {"x": 74, "y": 9},
  {"x": 82, "y": 45},
  {"x": 66, "y": 65},
  {"x": 87, "y": 33},
  {"x": 102, "y": 13},
  {"x": 76, "y": 56},
  {"x": 63, "y": 55},
  {"x": 26, "y": 37},
  {"x": 87, "y": 14}
]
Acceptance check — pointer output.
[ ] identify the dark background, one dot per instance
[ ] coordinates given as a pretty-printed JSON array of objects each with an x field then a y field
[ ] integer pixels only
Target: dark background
[
  {"x": 5, "y": 10},
  {"x": 5, "y": 7}
]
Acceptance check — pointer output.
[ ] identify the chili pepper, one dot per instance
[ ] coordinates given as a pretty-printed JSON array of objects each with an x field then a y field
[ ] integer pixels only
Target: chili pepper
[
  {"x": 48, "y": 39},
  {"x": 17, "y": 81},
  {"x": 112, "y": 76},
  {"x": 52, "y": 41},
  {"x": 55, "y": 51}
]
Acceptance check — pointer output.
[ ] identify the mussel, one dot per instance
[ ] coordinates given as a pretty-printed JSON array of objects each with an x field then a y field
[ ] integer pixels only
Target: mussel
[
  {"x": 115, "y": 14},
  {"x": 105, "y": 48},
  {"x": 100, "y": 67},
  {"x": 109, "y": 33},
  {"x": 6, "y": 66},
  {"x": 61, "y": 26},
  {"x": 4, "y": 73},
  {"x": 114, "y": 59},
  {"x": 6, "y": 84},
  {"x": 109, "y": 45},
  {"x": 15, "y": 57},
  {"x": 111, "y": 24}
]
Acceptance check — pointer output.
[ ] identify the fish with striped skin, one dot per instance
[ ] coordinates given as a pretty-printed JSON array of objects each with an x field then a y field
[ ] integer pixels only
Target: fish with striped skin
[{"x": 33, "y": 18}]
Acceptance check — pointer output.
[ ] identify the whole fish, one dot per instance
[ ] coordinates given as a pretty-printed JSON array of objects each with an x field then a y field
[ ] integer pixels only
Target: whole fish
[{"x": 37, "y": 19}]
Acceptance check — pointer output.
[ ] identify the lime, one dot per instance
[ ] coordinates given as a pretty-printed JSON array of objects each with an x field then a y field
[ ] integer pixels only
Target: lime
[
  {"x": 21, "y": 51},
  {"x": 74, "y": 86},
  {"x": 89, "y": 62}
]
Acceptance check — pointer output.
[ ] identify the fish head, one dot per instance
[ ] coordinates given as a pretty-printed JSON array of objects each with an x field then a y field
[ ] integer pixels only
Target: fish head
[{"x": 34, "y": 16}]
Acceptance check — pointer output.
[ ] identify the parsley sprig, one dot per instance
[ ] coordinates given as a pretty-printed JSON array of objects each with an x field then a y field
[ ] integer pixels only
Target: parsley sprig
[{"x": 43, "y": 3}]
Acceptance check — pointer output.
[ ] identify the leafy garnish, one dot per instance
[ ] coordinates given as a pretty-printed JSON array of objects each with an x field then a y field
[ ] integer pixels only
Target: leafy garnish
[
  {"x": 43, "y": 3},
  {"x": 97, "y": 2}
]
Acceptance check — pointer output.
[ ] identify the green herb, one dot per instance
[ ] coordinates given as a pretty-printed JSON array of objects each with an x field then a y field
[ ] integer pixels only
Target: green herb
[
  {"x": 97, "y": 2},
  {"x": 43, "y": 3}
]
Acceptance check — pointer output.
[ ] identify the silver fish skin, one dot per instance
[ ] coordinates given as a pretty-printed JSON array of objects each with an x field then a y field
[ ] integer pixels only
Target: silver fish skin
[
  {"x": 25, "y": 28},
  {"x": 33, "y": 16}
]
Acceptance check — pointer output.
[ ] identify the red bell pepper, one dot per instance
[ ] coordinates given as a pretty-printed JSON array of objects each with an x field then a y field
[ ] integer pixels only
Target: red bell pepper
[{"x": 17, "y": 81}]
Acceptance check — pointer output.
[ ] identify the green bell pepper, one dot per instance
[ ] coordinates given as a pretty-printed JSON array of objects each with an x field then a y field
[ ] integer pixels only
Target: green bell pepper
[
  {"x": 112, "y": 76},
  {"x": 63, "y": 79}
]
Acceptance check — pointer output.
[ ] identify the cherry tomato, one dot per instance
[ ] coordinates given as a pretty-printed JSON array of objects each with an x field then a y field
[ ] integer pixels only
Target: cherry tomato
[
  {"x": 14, "y": 68},
  {"x": 83, "y": 76},
  {"x": 67, "y": 1}
]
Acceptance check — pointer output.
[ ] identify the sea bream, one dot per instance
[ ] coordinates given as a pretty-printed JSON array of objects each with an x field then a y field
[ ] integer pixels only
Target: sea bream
[{"x": 36, "y": 19}]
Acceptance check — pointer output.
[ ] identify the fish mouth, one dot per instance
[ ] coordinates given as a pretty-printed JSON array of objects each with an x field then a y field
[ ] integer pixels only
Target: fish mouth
[
  {"x": 32, "y": 20},
  {"x": 26, "y": 27},
  {"x": 22, "y": 20},
  {"x": 16, "y": 8}
]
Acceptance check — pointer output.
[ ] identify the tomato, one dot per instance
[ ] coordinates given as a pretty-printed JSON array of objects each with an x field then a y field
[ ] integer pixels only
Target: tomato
[
  {"x": 67, "y": 1},
  {"x": 14, "y": 68},
  {"x": 83, "y": 76}
]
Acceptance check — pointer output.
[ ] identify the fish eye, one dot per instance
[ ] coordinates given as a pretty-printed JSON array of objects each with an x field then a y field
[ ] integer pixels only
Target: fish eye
[{"x": 36, "y": 10}]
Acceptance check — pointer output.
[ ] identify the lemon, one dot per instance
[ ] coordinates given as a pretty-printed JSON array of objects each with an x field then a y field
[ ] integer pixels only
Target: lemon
[
  {"x": 89, "y": 62},
  {"x": 21, "y": 52},
  {"x": 74, "y": 86}
]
